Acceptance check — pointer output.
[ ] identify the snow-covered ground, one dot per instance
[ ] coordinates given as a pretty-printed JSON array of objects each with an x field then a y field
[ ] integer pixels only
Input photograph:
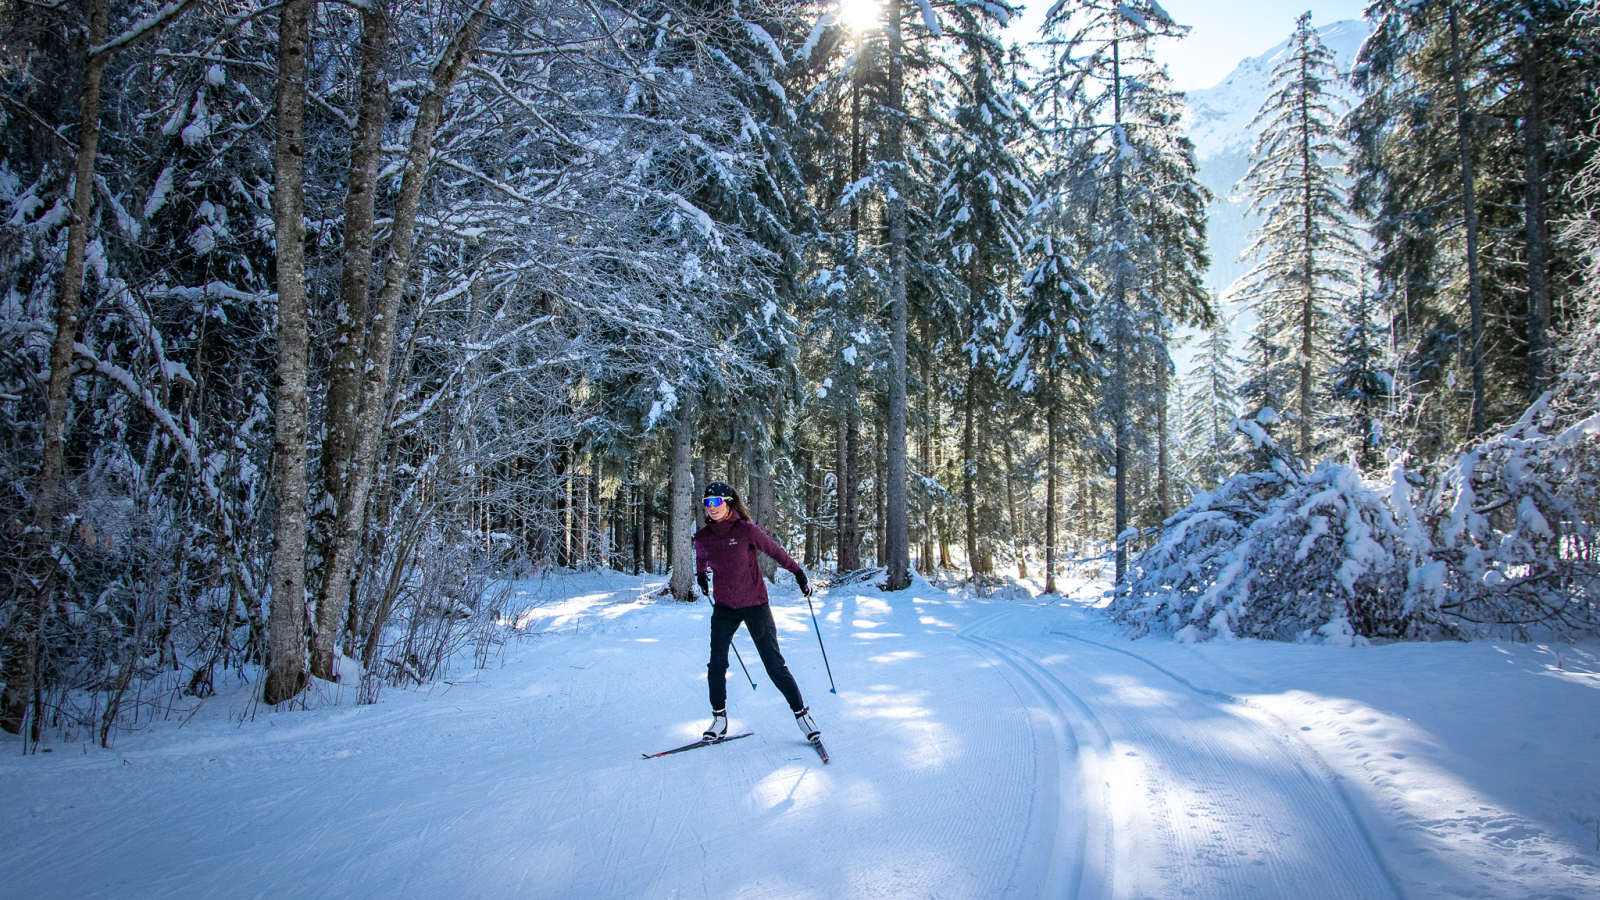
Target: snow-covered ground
[{"x": 981, "y": 749}]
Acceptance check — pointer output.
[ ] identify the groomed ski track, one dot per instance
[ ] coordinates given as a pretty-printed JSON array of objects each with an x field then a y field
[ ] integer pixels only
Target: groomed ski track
[
  {"x": 1173, "y": 791},
  {"x": 980, "y": 749}
]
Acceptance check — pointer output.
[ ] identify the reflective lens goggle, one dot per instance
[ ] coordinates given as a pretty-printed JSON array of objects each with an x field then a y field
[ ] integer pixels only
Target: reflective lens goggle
[{"x": 714, "y": 502}]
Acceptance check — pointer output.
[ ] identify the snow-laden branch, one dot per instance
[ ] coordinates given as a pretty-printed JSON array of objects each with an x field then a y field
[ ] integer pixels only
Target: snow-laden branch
[
  {"x": 184, "y": 436},
  {"x": 145, "y": 27}
]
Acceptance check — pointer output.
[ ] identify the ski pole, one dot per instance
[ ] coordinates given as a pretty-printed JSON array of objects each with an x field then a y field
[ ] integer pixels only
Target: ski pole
[
  {"x": 741, "y": 665},
  {"x": 736, "y": 653},
  {"x": 832, "y": 689}
]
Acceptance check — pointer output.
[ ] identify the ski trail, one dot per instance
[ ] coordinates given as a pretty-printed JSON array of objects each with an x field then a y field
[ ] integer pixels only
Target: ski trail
[
  {"x": 1209, "y": 799},
  {"x": 1081, "y": 851}
]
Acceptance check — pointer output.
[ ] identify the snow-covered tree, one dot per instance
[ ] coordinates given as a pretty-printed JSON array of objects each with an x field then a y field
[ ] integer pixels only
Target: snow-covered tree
[
  {"x": 1308, "y": 242},
  {"x": 982, "y": 209},
  {"x": 1360, "y": 382},
  {"x": 1146, "y": 208},
  {"x": 1208, "y": 410},
  {"x": 1499, "y": 92}
]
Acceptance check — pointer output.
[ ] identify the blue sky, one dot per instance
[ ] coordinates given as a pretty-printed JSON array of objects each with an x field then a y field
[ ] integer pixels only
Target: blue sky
[{"x": 1224, "y": 31}]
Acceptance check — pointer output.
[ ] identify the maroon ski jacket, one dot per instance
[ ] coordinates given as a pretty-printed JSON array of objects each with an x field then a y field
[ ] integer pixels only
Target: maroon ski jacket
[{"x": 727, "y": 549}]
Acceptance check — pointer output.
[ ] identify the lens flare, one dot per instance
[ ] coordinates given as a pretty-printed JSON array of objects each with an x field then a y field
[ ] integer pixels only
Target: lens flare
[{"x": 860, "y": 15}]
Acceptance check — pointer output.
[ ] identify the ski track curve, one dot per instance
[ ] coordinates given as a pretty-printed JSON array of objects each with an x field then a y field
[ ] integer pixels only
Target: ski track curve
[{"x": 1204, "y": 797}]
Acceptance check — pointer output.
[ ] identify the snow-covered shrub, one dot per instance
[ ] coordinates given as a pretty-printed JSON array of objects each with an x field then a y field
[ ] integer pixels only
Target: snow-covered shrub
[
  {"x": 1514, "y": 525},
  {"x": 1500, "y": 535},
  {"x": 1280, "y": 555}
]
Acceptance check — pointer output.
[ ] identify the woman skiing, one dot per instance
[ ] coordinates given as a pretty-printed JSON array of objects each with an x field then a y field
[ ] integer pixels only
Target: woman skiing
[{"x": 726, "y": 547}]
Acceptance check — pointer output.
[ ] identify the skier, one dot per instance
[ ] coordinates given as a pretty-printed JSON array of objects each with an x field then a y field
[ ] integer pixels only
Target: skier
[{"x": 727, "y": 547}]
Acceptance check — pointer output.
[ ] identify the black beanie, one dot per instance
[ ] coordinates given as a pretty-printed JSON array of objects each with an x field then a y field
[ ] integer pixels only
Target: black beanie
[{"x": 718, "y": 489}]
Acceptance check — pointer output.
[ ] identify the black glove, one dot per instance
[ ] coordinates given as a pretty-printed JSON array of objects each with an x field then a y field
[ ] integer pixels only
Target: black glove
[
  {"x": 800, "y": 579},
  {"x": 705, "y": 583}
]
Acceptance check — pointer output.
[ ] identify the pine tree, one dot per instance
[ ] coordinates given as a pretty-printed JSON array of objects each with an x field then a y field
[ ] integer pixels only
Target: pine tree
[
  {"x": 1306, "y": 247},
  {"x": 1359, "y": 381},
  {"x": 1469, "y": 284},
  {"x": 1146, "y": 243},
  {"x": 1209, "y": 408},
  {"x": 982, "y": 209}
]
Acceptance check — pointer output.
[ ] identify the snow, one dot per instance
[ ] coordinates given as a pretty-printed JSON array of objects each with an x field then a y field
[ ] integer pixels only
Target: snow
[
  {"x": 981, "y": 748},
  {"x": 158, "y": 194},
  {"x": 765, "y": 41}
]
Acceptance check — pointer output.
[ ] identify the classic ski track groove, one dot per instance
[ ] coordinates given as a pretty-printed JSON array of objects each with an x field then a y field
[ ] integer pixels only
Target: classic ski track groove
[
  {"x": 1310, "y": 761},
  {"x": 1203, "y": 796},
  {"x": 1083, "y": 821}
]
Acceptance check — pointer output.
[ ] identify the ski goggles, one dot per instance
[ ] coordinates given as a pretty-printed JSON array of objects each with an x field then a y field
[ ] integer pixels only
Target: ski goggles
[{"x": 714, "y": 502}]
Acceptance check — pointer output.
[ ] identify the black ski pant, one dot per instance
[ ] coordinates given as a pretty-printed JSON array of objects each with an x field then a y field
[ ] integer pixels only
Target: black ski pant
[{"x": 758, "y": 621}]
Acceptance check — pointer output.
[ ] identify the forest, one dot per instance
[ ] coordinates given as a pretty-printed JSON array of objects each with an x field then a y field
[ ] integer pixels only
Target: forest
[{"x": 322, "y": 320}]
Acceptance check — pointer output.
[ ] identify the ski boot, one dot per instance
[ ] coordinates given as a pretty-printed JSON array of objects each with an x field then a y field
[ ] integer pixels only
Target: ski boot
[{"x": 718, "y": 729}]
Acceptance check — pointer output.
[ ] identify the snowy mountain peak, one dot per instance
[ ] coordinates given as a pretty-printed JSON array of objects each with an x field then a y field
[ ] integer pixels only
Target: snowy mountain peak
[{"x": 1219, "y": 116}]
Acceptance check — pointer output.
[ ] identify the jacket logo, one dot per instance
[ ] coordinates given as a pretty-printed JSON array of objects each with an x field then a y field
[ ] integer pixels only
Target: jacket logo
[{"x": 732, "y": 542}]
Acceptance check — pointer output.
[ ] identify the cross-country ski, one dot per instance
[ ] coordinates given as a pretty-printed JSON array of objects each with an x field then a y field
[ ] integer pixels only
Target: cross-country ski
[{"x": 698, "y": 744}]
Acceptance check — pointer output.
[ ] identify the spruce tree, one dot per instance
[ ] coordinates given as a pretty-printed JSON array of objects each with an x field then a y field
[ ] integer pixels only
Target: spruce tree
[
  {"x": 1145, "y": 245},
  {"x": 1307, "y": 244},
  {"x": 1209, "y": 408},
  {"x": 1359, "y": 383},
  {"x": 982, "y": 208}
]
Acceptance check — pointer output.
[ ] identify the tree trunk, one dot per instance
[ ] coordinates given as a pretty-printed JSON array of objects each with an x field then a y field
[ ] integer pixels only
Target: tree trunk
[
  {"x": 762, "y": 509},
  {"x": 810, "y": 497},
  {"x": 672, "y": 524},
  {"x": 880, "y": 477},
  {"x": 1051, "y": 417},
  {"x": 581, "y": 519},
  {"x": 1308, "y": 302},
  {"x": 927, "y": 462},
  {"x": 286, "y": 664},
  {"x": 636, "y": 518},
  {"x": 1088, "y": 505},
  {"x": 569, "y": 464},
  {"x": 847, "y": 548},
  {"x": 23, "y": 644},
  {"x": 1163, "y": 449},
  {"x": 682, "y": 512},
  {"x": 1469, "y": 208},
  {"x": 648, "y": 524},
  {"x": 343, "y": 406},
  {"x": 1017, "y": 537},
  {"x": 1120, "y": 413},
  {"x": 1540, "y": 365},
  {"x": 897, "y": 534},
  {"x": 969, "y": 497},
  {"x": 371, "y": 422}
]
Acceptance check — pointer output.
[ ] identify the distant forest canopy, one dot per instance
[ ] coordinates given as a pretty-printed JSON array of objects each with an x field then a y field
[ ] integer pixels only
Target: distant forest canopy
[{"x": 323, "y": 319}]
